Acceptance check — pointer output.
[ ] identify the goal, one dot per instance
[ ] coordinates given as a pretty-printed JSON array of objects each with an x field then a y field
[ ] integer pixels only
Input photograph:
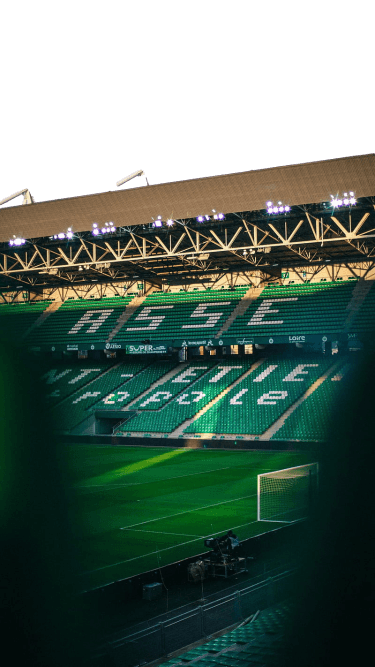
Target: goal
[{"x": 287, "y": 495}]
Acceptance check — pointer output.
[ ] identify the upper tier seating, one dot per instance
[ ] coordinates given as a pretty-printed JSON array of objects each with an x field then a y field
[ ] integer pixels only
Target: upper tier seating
[
  {"x": 311, "y": 419},
  {"x": 181, "y": 315},
  {"x": 261, "y": 397},
  {"x": 189, "y": 402},
  {"x": 364, "y": 320},
  {"x": 308, "y": 308},
  {"x": 17, "y": 318},
  {"x": 80, "y": 321}
]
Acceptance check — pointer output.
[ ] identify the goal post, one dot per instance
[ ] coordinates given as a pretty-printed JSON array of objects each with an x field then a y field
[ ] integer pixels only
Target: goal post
[{"x": 287, "y": 495}]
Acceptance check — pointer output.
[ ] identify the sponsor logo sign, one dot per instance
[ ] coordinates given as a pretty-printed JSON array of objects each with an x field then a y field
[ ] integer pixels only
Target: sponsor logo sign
[
  {"x": 146, "y": 349},
  {"x": 296, "y": 339},
  {"x": 113, "y": 346}
]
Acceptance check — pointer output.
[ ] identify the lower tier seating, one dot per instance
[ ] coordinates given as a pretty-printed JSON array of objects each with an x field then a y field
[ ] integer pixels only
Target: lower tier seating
[
  {"x": 262, "y": 397},
  {"x": 310, "y": 420},
  {"x": 61, "y": 381},
  {"x": 189, "y": 402},
  {"x": 81, "y": 404},
  {"x": 259, "y": 642}
]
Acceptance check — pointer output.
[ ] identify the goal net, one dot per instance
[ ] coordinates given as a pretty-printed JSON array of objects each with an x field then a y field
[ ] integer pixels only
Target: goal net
[{"x": 287, "y": 495}]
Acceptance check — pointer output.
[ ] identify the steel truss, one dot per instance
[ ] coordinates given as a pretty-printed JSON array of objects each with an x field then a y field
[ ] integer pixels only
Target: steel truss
[{"x": 245, "y": 242}]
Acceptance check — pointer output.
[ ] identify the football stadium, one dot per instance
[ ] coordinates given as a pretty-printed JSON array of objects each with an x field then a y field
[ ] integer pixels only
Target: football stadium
[{"x": 194, "y": 345}]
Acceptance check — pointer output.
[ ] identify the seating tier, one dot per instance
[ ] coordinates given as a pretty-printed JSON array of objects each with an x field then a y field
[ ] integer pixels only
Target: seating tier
[
  {"x": 182, "y": 315},
  {"x": 261, "y": 397},
  {"x": 82, "y": 403},
  {"x": 80, "y": 321},
  {"x": 310, "y": 420},
  {"x": 309, "y": 308},
  {"x": 17, "y": 318},
  {"x": 189, "y": 402}
]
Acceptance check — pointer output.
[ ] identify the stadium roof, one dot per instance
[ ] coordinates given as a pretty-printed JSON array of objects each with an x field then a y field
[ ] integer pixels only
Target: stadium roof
[{"x": 307, "y": 183}]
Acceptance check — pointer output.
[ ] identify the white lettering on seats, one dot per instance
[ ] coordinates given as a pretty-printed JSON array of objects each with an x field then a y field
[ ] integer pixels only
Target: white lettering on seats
[
  {"x": 145, "y": 315},
  {"x": 298, "y": 370},
  {"x": 89, "y": 318},
  {"x": 108, "y": 399},
  {"x": 87, "y": 394},
  {"x": 200, "y": 311},
  {"x": 83, "y": 374},
  {"x": 224, "y": 370},
  {"x": 181, "y": 400},
  {"x": 271, "y": 397},
  {"x": 234, "y": 400},
  {"x": 154, "y": 398},
  {"x": 127, "y": 375},
  {"x": 188, "y": 374},
  {"x": 264, "y": 309},
  {"x": 52, "y": 377},
  {"x": 264, "y": 373}
]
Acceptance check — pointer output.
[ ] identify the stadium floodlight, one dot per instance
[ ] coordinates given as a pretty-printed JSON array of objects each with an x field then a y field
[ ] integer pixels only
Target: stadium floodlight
[
  {"x": 140, "y": 172},
  {"x": 170, "y": 222},
  {"x": 108, "y": 228},
  {"x": 347, "y": 199},
  {"x": 158, "y": 222},
  {"x": 272, "y": 209},
  {"x": 219, "y": 216},
  {"x": 27, "y": 198},
  {"x": 17, "y": 241},
  {"x": 63, "y": 235},
  {"x": 287, "y": 495}
]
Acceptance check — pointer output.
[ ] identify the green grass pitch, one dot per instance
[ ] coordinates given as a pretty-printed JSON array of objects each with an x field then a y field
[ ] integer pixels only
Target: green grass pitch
[{"x": 140, "y": 508}]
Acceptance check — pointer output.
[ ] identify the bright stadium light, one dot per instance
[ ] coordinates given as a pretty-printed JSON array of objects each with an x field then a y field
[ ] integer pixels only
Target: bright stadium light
[
  {"x": 17, "y": 241},
  {"x": 108, "y": 228},
  {"x": 140, "y": 172},
  {"x": 170, "y": 222},
  {"x": 272, "y": 209},
  {"x": 347, "y": 199},
  {"x": 158, "y": 222}
]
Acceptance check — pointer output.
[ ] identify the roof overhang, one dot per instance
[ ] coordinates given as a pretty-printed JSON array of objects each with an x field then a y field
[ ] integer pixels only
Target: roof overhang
[{"x": 300, "y": 184}]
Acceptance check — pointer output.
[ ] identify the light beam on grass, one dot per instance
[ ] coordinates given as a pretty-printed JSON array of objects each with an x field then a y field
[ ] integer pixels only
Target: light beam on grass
[{"x": 112, "y": 475}]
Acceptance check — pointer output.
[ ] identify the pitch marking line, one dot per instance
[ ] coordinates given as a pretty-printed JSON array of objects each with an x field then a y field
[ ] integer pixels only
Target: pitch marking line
[
  {"x": 158, "y": 551},
  {"x": 162, "y": 532},
  {"x": 153, "y": 481},
  {"x": 194, "y": 509}
]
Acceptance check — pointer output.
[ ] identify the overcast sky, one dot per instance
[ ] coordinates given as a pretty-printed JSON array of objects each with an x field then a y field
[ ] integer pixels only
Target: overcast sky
[{"x": 92, "y": 91}]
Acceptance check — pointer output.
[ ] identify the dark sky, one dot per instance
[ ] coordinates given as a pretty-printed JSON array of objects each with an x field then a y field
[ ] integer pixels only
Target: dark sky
[{"x": 181, "y": 90}]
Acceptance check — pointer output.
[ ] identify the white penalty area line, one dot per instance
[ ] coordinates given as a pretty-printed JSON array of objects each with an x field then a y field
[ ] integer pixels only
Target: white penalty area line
[{"x": 194, "y": 509}]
